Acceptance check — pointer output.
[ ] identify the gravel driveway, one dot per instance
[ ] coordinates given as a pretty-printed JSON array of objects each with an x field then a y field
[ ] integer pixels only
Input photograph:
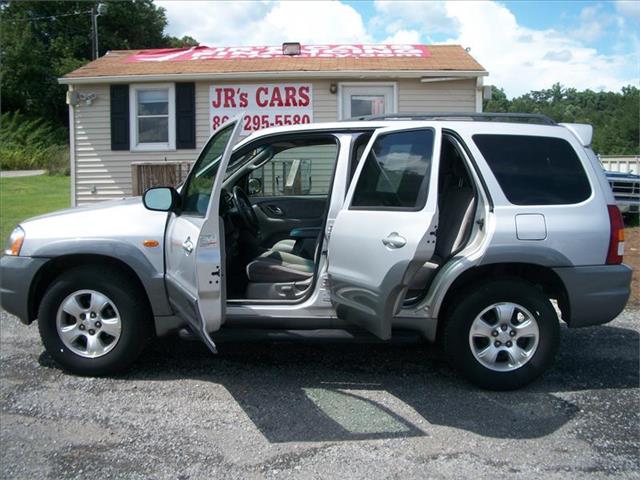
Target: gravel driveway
[{"x": 283, "y": 410}]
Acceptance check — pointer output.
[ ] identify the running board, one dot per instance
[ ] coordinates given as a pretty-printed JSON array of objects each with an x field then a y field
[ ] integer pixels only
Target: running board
[{"x": 243, "y": 335}]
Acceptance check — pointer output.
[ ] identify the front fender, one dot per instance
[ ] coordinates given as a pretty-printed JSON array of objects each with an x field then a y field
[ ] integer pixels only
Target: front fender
[{"x": 151, "y": 278}]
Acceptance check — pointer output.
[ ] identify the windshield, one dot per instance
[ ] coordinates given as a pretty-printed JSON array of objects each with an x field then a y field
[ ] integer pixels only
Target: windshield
[{"x": 200, "y": 182}]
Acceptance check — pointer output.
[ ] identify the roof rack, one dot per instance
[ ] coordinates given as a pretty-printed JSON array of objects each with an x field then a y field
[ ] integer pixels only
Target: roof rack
[{"x": 468, "y": 116}]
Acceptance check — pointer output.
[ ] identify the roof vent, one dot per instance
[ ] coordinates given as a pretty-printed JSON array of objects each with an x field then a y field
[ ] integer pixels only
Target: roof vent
[{"x": 291, "y": 48}]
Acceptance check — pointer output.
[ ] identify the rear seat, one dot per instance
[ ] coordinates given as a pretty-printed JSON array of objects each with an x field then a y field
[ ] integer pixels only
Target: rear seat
[{"x": 457, "y": 205}]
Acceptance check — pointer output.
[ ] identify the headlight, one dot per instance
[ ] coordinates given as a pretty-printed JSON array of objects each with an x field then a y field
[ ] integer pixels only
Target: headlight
[{"x": 15, "y": 242}]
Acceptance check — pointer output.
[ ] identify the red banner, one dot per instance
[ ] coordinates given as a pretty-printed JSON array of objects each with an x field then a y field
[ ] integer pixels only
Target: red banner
[{"x": 307, "y": 51}]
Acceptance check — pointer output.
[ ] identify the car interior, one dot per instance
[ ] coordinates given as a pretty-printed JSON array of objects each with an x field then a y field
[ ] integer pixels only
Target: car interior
[
  {"x": 275, "y": 212},
  {"x": 457, "y": 202}
]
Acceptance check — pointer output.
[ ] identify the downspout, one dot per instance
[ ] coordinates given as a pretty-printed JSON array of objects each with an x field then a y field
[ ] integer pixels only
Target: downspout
[
  {"x": 72, "y": 146},
  {"x": 479, "y": 90}
]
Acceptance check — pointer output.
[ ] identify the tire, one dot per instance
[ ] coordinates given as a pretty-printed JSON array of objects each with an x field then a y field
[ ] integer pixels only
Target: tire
[
  {"x": 105, "y": 349},
  {"x": 527, "y": 353}
]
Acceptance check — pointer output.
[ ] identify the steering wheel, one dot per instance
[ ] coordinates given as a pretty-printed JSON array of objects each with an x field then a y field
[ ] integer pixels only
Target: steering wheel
[{"x": 245, "y": 209}]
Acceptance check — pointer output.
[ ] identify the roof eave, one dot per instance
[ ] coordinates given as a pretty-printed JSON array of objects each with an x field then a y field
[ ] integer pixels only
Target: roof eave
[{"x": 355, "y": 74}]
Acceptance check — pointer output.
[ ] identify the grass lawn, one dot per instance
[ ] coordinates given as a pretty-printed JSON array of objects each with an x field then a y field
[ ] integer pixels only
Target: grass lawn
[{"x": 24, "y": 197}]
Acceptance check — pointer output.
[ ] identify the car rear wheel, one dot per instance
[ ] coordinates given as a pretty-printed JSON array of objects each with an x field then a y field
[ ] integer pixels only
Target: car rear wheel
[
  {"x": 502, "y": 335},
  {"x": 94, "y": 321}
]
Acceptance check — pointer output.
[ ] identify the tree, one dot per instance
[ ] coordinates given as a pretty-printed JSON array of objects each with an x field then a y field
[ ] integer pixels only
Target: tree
[
  {"x": 615, "y": 116},
  {"x": 42, "y": 41}
]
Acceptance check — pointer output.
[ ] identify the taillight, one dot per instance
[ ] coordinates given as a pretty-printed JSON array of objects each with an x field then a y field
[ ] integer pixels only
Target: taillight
[{"x": 616, "y": 240}]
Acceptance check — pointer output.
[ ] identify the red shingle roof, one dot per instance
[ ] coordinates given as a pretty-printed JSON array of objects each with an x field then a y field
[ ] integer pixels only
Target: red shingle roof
[{"x": 446, "y": 58}]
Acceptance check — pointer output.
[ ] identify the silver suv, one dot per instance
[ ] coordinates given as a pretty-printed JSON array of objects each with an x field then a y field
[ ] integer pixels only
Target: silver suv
[{"x": 475, "y": 230}]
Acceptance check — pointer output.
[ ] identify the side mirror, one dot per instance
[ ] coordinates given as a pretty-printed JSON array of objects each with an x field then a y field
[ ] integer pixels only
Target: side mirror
[
  {"x": 255, "y": 186},
  {"x": 161, "y": 199}
]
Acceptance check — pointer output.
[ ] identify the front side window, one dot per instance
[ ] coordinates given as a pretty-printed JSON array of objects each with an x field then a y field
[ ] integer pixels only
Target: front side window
[
  {"x": 152, "y": 124},
  {"x": 396, "y": 172},
  {"x": 534, "y": 170},
  {"x": 298, "y": 170},
  {"x": 197, "y": 189}
]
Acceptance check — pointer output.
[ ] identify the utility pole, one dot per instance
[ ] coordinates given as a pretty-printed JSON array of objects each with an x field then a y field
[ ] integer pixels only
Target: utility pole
[
  {"x": 96, "y": 11},
  {"x": 94, "y": 33}
]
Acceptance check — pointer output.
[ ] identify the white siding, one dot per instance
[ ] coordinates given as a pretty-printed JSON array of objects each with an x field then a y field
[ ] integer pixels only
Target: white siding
[{"x": 108, "y": 173}]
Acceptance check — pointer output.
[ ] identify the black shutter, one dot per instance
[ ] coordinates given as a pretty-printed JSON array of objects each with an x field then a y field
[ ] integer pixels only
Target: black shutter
[
  {"x": 185, "y": 115},
  {"x": 120, "y": 117}
]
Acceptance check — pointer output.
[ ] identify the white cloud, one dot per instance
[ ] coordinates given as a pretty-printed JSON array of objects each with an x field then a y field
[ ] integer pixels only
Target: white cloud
[
  {"x": 409, "y": 37},
  {"x": 428, "y": 17},
  {"x": 558, "y": 56},
  {"x": 521, "y": 59},
  {"x": 629, "y": 8},
  {"x": 518, "y": 58},
  {"x": 265, "y": 23}
]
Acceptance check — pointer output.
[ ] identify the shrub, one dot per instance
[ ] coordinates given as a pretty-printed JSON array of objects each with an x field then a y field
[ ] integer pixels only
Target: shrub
[{"x": 28, "y": 144}]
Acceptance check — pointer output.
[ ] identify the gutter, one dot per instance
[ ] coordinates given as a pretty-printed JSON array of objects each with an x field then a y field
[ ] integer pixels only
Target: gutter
[{"x": 333, "y": 74}]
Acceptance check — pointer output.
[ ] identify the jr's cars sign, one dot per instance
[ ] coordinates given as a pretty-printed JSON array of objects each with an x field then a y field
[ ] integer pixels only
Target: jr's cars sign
[{"x": 264, "y": 104}]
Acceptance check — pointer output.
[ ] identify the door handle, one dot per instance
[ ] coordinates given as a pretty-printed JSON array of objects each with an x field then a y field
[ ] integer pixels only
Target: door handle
[
  {"x": 394, "y": 240},
  {"x": 275, "y": 210},
  {"x": 187, "y": 246}
]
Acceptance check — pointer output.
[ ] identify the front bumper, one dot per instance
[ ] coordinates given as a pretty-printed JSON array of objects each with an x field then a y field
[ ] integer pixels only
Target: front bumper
[
  {"x": 596, "y": 294},
  {"x": 16, "y": 276}
]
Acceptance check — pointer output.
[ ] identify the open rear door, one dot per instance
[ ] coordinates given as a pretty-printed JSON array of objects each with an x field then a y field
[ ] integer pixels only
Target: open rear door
[
  {"x": 386, "y": 229},
  {"x": 195, "y": 256}
]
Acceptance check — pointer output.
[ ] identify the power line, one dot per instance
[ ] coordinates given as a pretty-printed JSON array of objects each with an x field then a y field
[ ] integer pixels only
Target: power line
[{"x": 49, "y": 17}]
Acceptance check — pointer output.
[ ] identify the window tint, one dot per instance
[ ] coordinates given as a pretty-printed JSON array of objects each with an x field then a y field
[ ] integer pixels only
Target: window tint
[
  {"x": 300, "y": 170},
  {"x": 535, "y": 170},
  {"x": 396, "y": 171}
]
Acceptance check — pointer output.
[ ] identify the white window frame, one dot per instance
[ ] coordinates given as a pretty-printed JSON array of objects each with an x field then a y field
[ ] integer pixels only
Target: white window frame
[
  {"x": 136, "y": 146},
  {"x": 365, "y": 88}
]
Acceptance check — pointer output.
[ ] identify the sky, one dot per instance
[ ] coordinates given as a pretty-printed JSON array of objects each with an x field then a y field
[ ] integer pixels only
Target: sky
[{"x": 525, "y": 45}]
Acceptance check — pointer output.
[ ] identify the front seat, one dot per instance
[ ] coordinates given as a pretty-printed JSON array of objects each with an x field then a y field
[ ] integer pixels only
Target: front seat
[{"x": 279, "y": 267}]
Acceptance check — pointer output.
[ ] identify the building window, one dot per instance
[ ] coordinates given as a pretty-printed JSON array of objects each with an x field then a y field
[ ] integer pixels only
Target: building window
[
  {"x": 358, "y": 100},
  {"x": 152, "y": 122}
]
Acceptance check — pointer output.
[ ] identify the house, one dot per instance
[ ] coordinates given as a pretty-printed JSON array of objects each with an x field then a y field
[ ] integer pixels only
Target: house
[{"x": 156, "y": 105}]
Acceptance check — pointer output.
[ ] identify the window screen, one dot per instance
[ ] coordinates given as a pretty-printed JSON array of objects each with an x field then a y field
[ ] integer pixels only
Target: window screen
[
  {"x": 396, "y": 171},
  {"x": 535, "y": 170},
  {"x": 153, "y": 116}
]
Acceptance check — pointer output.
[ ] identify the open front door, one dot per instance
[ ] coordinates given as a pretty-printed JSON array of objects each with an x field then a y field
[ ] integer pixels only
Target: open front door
[
  {"x": 195, "y": 239},
  {"x": 386, "y": 230}
]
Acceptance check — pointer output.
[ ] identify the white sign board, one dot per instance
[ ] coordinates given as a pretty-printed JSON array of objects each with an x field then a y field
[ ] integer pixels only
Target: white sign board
[{"x": 265, "y": 105}]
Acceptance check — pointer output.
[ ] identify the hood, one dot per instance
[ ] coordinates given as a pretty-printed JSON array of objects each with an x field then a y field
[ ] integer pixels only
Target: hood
[
  {"x": 126, "y": 220},
  {"x": 109, "y": 204}
]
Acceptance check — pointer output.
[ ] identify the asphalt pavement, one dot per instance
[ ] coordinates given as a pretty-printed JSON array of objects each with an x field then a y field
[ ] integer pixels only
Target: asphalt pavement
[{"x": 298, "y": 410}]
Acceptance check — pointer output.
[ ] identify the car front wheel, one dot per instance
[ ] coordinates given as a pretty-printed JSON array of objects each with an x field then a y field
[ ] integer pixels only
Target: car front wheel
[
  {"x": 94, "y": 321},
  {"x": 502, "y": 335}
]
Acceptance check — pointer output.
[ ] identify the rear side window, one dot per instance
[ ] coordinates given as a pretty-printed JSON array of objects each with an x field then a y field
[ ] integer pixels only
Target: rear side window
[
  {"x": 396, "y": 172},
  {"x": 535, "y": 170}
]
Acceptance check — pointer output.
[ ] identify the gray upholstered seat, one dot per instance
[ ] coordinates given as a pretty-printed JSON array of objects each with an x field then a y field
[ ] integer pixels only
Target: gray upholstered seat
[
  {"x": 457, "y": 206},
  {"x": 279, "y": 267},
  {"x": 287, "y": 245}
]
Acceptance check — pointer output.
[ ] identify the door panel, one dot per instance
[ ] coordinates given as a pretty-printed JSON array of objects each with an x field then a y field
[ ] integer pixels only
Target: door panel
[
  {"x": 195, "y": 240},
  {"x": 279, "y": 215},
  {"x": 386, "y": 230},
  {"x": 294, "y": 208}
]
